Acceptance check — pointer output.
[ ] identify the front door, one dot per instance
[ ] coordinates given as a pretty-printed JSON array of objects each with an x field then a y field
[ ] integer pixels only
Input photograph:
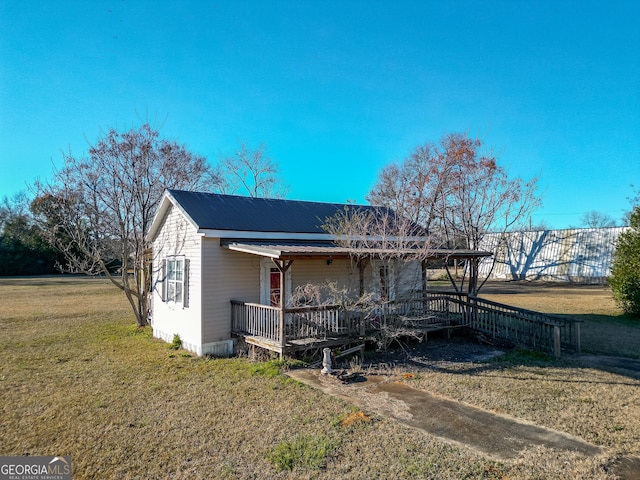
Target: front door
[
  {"x": 270, "y": 283},
  {"x": 274, "y": 287}
]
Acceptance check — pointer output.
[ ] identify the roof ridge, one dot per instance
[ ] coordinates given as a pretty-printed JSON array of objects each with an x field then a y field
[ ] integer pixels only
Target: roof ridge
[{"x": 248, "y": 197}]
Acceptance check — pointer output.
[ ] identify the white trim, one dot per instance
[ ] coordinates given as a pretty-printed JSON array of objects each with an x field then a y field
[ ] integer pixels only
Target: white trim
[
  {"x": 260, "y": 235},
  {"x": 167, "y": 201},
  {"x": 257, "y": 235}
]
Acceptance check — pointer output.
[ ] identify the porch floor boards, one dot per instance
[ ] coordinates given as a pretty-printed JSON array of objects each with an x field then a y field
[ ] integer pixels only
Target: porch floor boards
[
  {"x": 301, "y": 344},
  {"x": 296, "y": 345}
]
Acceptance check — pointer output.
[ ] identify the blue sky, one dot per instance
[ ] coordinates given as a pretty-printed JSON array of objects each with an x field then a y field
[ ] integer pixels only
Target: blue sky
[{"x": 335, "y": 90}]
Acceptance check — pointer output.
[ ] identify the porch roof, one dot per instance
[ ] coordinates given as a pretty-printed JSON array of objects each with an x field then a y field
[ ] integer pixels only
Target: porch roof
[{"x": 287, "y": 250}]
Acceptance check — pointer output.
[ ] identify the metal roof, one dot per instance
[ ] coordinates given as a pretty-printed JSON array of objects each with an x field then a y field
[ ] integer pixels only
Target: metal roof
[
  {"x": 212, "y": 211},
  {"x": 291, "y": 249}
]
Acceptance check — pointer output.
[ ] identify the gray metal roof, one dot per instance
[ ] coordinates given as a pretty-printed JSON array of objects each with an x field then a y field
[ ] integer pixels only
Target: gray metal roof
[{"x": 230, "y": 212}]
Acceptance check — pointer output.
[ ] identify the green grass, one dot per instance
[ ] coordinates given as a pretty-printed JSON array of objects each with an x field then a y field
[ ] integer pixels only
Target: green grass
[
  {"x": 78, "y": 378},
  {"x": 303, "y": 453}
]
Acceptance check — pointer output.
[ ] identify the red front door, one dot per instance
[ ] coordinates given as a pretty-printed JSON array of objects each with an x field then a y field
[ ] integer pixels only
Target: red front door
[{"x": 274, "y": 287}]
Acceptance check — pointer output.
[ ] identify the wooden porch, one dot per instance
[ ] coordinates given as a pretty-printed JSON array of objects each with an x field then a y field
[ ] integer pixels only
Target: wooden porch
[{"x": 291, "y": 330}]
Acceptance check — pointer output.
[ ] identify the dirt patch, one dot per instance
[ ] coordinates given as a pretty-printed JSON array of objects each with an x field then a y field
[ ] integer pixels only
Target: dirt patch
[
  {"x": 437, "y": 352},
  {"x": 621, "y": 365}
]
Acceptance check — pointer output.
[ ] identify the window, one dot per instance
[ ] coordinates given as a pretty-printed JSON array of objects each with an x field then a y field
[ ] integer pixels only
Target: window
[
  {"x": 384, "y": 282},
  {"x": 175, "y": 280}
]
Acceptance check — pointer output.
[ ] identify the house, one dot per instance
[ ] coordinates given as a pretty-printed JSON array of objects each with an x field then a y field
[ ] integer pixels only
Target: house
[{"x": 226, "y": 267}]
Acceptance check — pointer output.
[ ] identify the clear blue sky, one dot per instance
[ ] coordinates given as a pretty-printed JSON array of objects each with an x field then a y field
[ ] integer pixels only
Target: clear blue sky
[{"x": 335, "y": 90}]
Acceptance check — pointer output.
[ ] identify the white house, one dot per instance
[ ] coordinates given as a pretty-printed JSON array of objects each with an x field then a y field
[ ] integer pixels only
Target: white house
[{"x": 215, "y": 256}]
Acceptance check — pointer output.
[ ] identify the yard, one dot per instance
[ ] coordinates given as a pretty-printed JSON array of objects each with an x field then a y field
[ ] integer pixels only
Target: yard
[{"x": 77, "y": 378}]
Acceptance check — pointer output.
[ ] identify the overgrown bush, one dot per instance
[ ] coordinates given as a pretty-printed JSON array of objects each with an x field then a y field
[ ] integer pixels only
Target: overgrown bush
[{"x": 625, "y": 272}]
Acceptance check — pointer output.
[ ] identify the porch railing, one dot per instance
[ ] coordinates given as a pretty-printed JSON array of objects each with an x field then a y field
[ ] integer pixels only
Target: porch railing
[
  {"x": 255, "y": 319},
  {"x": 550, "y": 333},
  {"x": 319, "y": 322}
]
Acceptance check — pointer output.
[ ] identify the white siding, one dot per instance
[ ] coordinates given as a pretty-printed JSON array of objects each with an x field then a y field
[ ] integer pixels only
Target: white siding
[
  {"x": 177, "y": 237},
  {"x": 227, "y": 276},
  {"x": 404, "y": 276},
  {"x": 318, "y": 272}
]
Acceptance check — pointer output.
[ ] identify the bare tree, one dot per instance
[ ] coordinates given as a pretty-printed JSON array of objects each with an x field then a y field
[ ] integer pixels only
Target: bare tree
[
  {"x": 251, "y": 172},
  {"x": 98, "y": 208},
  {"x": 595, "y": 219},
  {"x": 379, "y": 232},
  {"x": 414, "y": 187},
  {"x": 396, "y": 250},
  {"x": 458, "y": 194}
]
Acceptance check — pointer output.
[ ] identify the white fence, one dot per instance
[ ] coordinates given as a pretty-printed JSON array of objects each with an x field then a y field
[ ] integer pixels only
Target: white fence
[{"x": 581, "y": 255}]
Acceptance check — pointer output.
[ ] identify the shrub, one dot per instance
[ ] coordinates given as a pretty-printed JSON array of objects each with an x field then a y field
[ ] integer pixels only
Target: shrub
[
  {"x": 625, "y": 272},
  {"x": 176, "y": 344}
]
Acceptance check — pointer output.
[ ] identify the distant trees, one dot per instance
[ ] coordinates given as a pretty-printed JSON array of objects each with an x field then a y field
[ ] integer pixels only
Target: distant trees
[
  {"x": 595, "y": 219},
  {"x": 457, "y": 193},
  {"x": 98, "y": 208},
  {"x": 23, "y": 247},
  {"x": 250, "y": 172},
  {"x": 625, "y": 272},
  {"x": 93, "y": 215}
]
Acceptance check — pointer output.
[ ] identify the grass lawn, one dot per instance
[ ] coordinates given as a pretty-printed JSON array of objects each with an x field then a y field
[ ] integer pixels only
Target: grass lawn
[{"x": 77, "y": 378}]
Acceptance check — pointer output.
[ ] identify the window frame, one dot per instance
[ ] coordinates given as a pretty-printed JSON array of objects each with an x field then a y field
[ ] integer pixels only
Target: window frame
[
  {"x": 383, "y": 279},
  {"x": 176, "y": 275}
]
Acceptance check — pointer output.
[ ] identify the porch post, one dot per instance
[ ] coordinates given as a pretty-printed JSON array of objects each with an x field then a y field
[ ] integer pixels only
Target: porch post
[
  {"x": 361, "y": 267},
  {"x": 361, "y": 276},
  {"x": 423, "y": 300},
  {"x": 473, "y": 276},
  {"x": 282, "y": 266}
]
